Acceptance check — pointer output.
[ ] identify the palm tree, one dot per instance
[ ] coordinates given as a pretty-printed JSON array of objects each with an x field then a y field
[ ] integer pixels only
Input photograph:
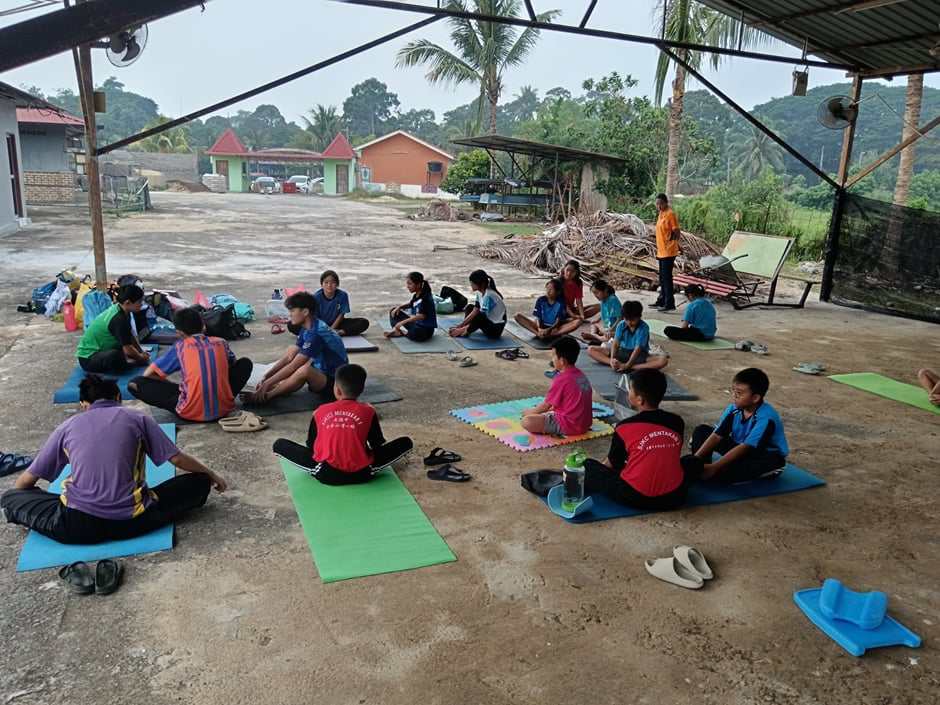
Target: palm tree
[
  {"x": 484, "y": 50},
  {"x": 174, "y": 141},
  {"x": 525, "y": 104},
  {"x": 755, "y": 152},
  {"x": 912, "y": 102},
  {"x": 324, "y": 123},
  {"x": 688, "y": 21}
]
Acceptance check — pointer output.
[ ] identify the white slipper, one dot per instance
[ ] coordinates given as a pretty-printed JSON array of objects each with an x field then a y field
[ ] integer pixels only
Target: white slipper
[
  {"x": 693, "y": 560},
  {"x": 672, "y": 571}
]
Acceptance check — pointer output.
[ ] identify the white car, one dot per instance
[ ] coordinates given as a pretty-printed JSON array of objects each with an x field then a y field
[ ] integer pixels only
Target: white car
[{"x": 303, "y": 182}]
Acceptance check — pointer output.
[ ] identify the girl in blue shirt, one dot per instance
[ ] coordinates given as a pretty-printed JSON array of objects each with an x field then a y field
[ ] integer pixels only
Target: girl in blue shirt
[
  {"x": 608, "y": 307},
  {"x": 699, "y": 322},
  {"x": 333, "y": 307},
  {"x": 416, "y": 319},
  {"x": 550, "y": 316}
]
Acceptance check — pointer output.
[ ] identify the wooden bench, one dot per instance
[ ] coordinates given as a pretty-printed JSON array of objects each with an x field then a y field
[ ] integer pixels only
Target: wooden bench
[{"x": 712, "y": 287}]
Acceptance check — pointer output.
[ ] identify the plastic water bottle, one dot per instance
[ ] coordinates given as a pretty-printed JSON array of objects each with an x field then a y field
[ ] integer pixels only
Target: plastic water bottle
[
  {"x": 68, "y": 315},
  {"x": 574, "y": 479}
]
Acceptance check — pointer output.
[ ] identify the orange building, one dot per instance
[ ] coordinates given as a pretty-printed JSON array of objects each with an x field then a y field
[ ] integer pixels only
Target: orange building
[{"x": 403, "y": 159}]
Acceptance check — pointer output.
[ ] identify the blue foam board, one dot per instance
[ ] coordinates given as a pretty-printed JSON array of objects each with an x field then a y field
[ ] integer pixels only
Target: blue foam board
[{"x": 68, "y": 392}]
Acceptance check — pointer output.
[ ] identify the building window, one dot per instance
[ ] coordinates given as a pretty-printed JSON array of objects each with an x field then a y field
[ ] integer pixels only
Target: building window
[{"x": 366, "y": 174}]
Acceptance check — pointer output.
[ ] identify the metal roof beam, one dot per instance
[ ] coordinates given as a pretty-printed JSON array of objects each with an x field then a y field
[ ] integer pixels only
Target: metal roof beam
[
  {"x": 881, "y": 42},
  {"x": 921, "y": 131},
  {"x": 530, "y": 10},
  {"x": 847, "y": 6},
  {"x": 587, "y": 14}
]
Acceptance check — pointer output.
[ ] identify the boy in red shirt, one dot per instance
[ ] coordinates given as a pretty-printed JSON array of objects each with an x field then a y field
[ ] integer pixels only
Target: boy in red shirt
[
  {"x": 566, "y": 410},
  {"x": 345, "y": 445},
  {"x": 644, "y": 467}
]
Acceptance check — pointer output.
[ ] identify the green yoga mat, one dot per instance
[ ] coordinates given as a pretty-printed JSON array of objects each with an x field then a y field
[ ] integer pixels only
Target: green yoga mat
[
  {"x": 658, "y": 327},
  {"x": 888, "y": 388},
  {"x": 366, "y": 529}
]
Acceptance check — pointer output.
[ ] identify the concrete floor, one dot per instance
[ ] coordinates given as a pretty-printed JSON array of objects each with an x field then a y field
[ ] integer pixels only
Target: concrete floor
[{"x": 535, "y": 610}]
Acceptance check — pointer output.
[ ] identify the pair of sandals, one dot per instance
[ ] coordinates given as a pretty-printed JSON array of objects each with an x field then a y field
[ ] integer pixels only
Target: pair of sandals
[
  {"x": 242, "y": 422},
  {"x": 11, "y": 463},
  {"x": 442, "y": 466},
  {"x": 512, "y": 354},
  {"x": 810, "y": 368},
  {"x": 686, "y": 567},
  {"x": 465, "y": 361},
  {"x": 751, "y": 346},
  {"x": 106, "y": 579}
]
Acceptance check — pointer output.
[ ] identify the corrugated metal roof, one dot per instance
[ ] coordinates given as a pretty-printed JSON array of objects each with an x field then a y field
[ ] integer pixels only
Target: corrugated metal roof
[
  {"x": 891, "y": 39},
  {"x": 536, "y": 149},
  {"x": 44, "y": 116}
]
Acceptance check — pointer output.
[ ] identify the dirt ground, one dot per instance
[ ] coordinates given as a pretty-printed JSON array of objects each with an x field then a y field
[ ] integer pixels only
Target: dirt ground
[{"x": 534, "y": 610}]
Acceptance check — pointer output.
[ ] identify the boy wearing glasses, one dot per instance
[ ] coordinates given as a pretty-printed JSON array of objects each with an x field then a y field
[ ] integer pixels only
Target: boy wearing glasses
[{"x": 749, "y": 435}]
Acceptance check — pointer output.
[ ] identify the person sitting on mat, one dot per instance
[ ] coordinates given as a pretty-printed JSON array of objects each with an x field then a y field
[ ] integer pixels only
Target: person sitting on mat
[
  {"x": 312, "y": 360},
  {"x": 930, "y": 381},
  {"x": 108, "y": 343},
  {"x": 698, "y": 321},
  {"x": 550, "y": 316},
  {"x": 106, "y": 496},
  {"x": 345, "y": 445},
  {"x": 567, "y": 409},
  {"x": 333, "y": 307},
  {"x": 609, "y": 308},
  {"x": 749, "y": 435},
  {"x": 630, "y": 345},
  {"x": 644, "y": 467},
  {"x": 487, "y": 314},
  {"x": 416, "y": 319},
  {"x": 573, "y": 292},
  {"x": 210, "y": 376}
]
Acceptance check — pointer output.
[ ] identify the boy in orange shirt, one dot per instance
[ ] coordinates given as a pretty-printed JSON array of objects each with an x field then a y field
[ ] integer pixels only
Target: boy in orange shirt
[{"x": 667, "y": 249}]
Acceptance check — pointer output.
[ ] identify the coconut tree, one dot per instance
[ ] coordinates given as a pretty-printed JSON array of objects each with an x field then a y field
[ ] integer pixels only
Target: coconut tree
[
  {"x": 912, "y": 103},
  {"x": 756, "y": 152},
  {"x": 689, "y": 21},
  {"x": 483, "y": 51},
  {"x": 323, "y": 123}
]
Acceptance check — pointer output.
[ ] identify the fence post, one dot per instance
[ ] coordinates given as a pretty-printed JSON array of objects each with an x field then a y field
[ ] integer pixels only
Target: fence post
[{"x": 832, "y": 244}]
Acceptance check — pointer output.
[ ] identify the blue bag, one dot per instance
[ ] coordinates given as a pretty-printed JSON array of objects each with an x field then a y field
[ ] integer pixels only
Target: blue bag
[{"x": 94, "y": 302}]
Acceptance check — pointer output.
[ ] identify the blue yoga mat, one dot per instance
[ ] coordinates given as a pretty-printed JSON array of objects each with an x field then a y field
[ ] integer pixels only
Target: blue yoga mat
[
  {"x": 68, "y": 392},
  {"x": 42, "y": 552},
  {"x": 476, "y": 340},
  {"x": 792, "y": 479}
]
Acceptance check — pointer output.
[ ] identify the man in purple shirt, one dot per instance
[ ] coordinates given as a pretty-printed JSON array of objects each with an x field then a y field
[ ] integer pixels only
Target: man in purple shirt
[{"x": 106, "y": 497}]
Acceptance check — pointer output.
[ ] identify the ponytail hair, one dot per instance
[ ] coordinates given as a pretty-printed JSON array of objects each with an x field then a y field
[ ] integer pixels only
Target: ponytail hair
[
  {"x": 602, "y": 285},
  {"x": 418, "y": 278},
  {"x": 695, "y": 290},
  {"x": 480, "y": 278}
]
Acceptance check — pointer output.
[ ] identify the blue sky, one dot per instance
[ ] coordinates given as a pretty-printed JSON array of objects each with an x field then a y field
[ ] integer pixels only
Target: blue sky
[{"x": 196, "y": 58}]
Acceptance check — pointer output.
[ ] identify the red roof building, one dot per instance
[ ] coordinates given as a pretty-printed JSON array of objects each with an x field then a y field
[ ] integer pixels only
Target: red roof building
[
  {"x": 46, "y": 116},
  {"x": 339, "y": 148},
  {"x": 228, "y": 145}
]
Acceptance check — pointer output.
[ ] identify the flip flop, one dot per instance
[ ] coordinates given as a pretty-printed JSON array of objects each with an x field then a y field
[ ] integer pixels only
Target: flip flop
[
  {"x": 245, "y": 422},
  {"x": 693, "y": 561},
  {"x": 449, "y": 473},
  {"x": 439, "y": 456},
  {"x": 79, "y": 578},
  {"x": 507, "y": 354},
  {"x": 521, "y": 354},
  {"x": 744, "y": 345},
  {"x": 467, "y": 361},
  {"x": 759, "y": 349},
  {"x": 672, "y": 571},
  {"x": 452, "y": 356},
  {"x": 551, "y": 374},
  {"x": 277, "y": 329},
  {"x": 108, "y": 575},
  {"x": 810, "y": 368},
  {"x": 11, "y": 463}
]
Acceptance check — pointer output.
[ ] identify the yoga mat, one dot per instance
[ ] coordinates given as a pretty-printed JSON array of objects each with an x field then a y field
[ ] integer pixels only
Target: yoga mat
[
  {"x": 604, "y": 381},
  {"x": 502, "y": 421},
  {"x": 526, "y": 337},
  {"x": 368, "y": 529},
  {"x": 792, "y": 479},
  {"x": 68, "y": 392},
  {"x": 357, "y": 343},
  {"x": 889, "y": 389},
  {"x": 476, "y": 340},
  {"x": 658, "y": 327},
  {"x": 440, "y": 342},
  {"x": 42, "y": 552}
]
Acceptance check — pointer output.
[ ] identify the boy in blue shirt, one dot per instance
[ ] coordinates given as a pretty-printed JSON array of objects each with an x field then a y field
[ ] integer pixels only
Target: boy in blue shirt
[
  {"x": 749, "y": 435},
  {"x": 312, "y": 360},
  {"x": 333, "y": 307},
  {"x": 630, "y": 344},
  {"x": 699, "y": 320},
  {"x": 550, "y": 315}
]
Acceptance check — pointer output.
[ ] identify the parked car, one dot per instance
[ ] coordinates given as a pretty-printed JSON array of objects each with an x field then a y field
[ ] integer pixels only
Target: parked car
[
  {"x": 265, "y": 184},
  {"x": 301, "y": 181}
]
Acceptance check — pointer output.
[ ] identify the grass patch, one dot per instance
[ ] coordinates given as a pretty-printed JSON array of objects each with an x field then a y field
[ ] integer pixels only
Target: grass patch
[{"x": 518, "y": 229}]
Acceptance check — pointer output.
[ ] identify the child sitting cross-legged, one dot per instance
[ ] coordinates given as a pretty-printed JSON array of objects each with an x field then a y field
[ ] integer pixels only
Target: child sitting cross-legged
[
  {"x": 609, "y": 308},
  {"x": 566, "y": 410},
  {"x": 550, "y": 315},
  {"x": 630, "y": 345},
  {"x": 345, "y": 445},
  {"x": 644, "y": 467},
  {"x": 699, "y": 320},
  {"x": 749, "y": 435}
]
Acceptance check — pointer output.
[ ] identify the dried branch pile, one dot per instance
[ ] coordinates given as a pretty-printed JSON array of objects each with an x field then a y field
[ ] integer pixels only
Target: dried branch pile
[
  {"x": 438, "y": 209},
  {"x": 617, "y": 247}
]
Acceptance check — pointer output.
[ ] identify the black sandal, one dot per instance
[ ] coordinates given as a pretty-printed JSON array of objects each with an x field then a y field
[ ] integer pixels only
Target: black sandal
[
  {"x": 449, "y": 473},
  {"x": 108, "y": 576},
  {"x": 11, "y": 463},
  {"x": 439, "y": 456},
  {"x": 79, "y": 578},
  {"x": 510, "y": 354}
]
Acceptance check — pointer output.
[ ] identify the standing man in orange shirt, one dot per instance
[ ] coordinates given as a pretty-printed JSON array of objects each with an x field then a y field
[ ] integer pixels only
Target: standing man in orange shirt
[{"x": 667, "y": 249}]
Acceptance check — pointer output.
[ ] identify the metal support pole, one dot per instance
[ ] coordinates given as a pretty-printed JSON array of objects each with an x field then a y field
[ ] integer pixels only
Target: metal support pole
[
  {"x": 921, "y": 131},
  {"x": 528, "y": 7},
  {"x": 587, "y": 14},
  {"x": 848, "y": 136},
  {"x": 86, "y": 89},
  {"x": 832, "y": 244}
]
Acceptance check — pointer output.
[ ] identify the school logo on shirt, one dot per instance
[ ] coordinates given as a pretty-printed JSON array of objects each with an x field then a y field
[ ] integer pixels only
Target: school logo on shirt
[{"x": 659, "y": 439}]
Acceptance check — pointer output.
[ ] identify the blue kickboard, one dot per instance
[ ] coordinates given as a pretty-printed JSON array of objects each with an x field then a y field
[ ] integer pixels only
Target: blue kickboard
[
  {"x": 863, "y": 609},
  {"x": 68, "y": 392},
  {"x": 792, "y": 479},
  {"x": 42, "y": 552},
  {"x": 476, "y": 340},
  {"x": 849, "y": 636}
]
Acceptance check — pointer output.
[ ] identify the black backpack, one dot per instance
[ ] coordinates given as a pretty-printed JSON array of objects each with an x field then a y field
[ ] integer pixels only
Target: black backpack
[{"x": 221, "y": 322}]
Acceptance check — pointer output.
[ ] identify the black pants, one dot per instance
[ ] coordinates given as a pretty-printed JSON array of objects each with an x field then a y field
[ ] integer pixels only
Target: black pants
[
  {"x": 166, "y": 395},
  {"x": 691, "y": 333},
  {"x": 383, "y": 456},
  {"x": 112, "y": 361},
  {"x": 491, "y": 330},
  {"x": 44, "y": 512},
  {"x": 753, "y": 465},
  {"x": 354, "y": 326},
  {"x": 460, "y": 301},
  {"x": 413, "y": 331},
  {"x": 667, "y": 297},
  {"x": 600, "y": 479}
]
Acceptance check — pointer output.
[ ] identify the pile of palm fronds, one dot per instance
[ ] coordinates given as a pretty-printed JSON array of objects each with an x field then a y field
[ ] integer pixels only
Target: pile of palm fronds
[
  {"x": 618, "y": 247},
  {"x": 438, "y": 210}
]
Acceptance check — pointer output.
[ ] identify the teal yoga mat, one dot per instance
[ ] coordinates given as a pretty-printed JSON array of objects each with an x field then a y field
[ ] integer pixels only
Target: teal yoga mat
[
  {"x": 68, "y": 392},
  {"x": 368, "y": 529},
  {"x": 440, "y": 342},
  {"x": 42, "y": 552},
  {"x": 476, "y": 340},
  {"x": 889, "y": 389},
  {"x": 658, "y": 327}
]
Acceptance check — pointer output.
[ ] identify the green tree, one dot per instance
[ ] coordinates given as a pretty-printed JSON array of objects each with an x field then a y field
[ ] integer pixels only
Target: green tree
[
  {"x": 754, "y": 152},
  {"x": 369, "y": 108},
  {"x": 689, "y": 21},
  {"x": 474, "y": 164},
  {"x": 174, "y": 141},
  {"x": 420, "y": 123},
  {"x": 323, "y": 124},
  {"x": 525, "y": 104},
  {"x": 484, "y": 50}
]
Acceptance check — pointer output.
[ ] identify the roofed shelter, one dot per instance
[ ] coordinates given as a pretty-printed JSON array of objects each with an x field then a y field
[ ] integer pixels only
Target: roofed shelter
[
  {"x": 229, "y": 158},
  {"x": 339, "y": 167}
]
